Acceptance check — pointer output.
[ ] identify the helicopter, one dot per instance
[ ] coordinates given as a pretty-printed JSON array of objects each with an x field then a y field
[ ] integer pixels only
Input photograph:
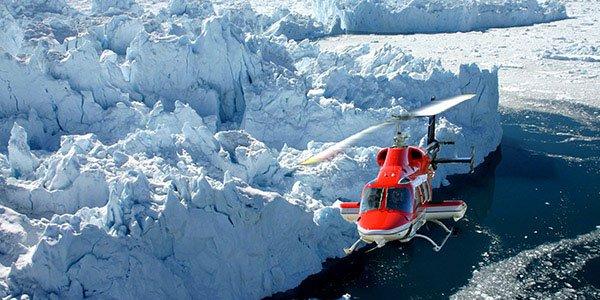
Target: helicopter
[{"x": 398, "y": 202}]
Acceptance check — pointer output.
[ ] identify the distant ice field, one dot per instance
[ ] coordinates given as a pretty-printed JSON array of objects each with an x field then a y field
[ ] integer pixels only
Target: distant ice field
[{"x": 554, "y": 61}]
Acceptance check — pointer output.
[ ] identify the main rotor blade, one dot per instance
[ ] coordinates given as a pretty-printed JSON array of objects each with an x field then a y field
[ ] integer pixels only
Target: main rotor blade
[
  {"x": 342, "y": 145},
  {"x": 437, "y": 106},
  {"x": 430, "y": 109}
]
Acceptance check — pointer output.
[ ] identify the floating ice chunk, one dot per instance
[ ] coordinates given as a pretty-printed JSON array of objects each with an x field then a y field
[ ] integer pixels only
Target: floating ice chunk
[
  {"x": 578, "y": 51},
  {"x": 22, "y": 161},
  {"x": 538, "y": 271}
]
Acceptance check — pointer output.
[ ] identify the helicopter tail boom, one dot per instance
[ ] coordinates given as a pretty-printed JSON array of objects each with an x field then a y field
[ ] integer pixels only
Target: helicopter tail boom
[{"x": 464, "y": 160}]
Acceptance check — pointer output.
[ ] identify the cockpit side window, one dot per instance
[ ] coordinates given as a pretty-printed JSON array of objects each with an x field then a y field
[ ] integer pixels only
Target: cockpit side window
[
  {"x": 371, "y": 199},
  {"x": 400, "y": 199}
]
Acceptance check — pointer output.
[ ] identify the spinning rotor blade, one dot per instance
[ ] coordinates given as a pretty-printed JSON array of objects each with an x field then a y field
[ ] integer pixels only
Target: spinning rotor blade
[
  {"x": 430, "y": 109},
  {"x": 439, "y": 106},
  {"x": 342, "y": 145}
]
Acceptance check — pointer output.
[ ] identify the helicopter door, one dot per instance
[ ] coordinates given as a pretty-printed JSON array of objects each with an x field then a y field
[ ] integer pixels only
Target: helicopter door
[
  {"x": 420, "y": 194},
  {"x": 423, "y": 192},
  {"x": 426, "y": 190}
]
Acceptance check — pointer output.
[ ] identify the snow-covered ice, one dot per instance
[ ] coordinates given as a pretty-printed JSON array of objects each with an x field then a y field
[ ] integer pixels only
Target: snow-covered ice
[
  {"x": 22, "y": 161},
  {"x": 582, "y": 51},
  {"x": 151, "y": 148},
  {"x": 546, "y": 67},
  {"x": 531, "y": 76},
  {"x": 426, "y": 16}
]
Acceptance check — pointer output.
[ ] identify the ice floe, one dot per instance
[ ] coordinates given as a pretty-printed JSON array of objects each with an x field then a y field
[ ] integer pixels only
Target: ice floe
[
  {"x": 544, "y": 272},
  {"x": 578, "y": 51}
]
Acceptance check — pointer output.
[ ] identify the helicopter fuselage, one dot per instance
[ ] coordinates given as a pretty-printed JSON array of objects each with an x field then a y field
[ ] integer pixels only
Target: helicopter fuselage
[{"x": 398, "y": 202}]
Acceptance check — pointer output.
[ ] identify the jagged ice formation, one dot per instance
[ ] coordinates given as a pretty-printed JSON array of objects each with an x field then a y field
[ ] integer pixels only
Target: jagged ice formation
[{"x": 151, "y": 150}]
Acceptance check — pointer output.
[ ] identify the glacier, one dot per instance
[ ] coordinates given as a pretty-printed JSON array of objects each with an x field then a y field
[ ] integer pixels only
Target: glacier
[
  {"x": 151, "y": 149},
  {"x": 426, "y": 16}
]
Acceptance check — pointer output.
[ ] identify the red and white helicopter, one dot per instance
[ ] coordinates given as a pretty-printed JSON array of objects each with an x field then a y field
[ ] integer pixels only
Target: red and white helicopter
[{"x": 398, "y": 202}]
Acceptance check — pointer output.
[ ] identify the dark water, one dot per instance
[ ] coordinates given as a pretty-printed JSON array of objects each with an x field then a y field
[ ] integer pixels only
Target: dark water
[{"x": 542, "y": 186}]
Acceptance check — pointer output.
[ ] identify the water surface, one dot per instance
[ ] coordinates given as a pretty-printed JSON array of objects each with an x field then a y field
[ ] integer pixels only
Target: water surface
[{"x": 530, "y": 229}]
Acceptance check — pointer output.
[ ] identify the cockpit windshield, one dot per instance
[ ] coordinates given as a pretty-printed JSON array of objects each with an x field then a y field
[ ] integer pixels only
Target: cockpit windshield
[
  {"x": 399, "y": 199},
  {"x": 371, "y": 199}
]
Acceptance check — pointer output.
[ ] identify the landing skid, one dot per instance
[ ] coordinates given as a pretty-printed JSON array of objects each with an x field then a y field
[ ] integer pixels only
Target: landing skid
[
  {"x": 436, "y": 247},
  {"x": 351, "y": 249}
]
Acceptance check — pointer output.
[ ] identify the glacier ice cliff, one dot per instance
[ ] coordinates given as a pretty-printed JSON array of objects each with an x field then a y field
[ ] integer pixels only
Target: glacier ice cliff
[
  {"x": 426, "y": 16},
  {"x": 152, "y": 149}
]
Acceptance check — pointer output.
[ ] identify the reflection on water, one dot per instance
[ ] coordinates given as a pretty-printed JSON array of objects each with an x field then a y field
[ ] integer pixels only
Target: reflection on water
[{"x": 531, "y": 224}]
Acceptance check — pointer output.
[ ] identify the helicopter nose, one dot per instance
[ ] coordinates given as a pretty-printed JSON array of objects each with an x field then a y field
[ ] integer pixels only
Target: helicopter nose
[{"x": 383, "y": 220}]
